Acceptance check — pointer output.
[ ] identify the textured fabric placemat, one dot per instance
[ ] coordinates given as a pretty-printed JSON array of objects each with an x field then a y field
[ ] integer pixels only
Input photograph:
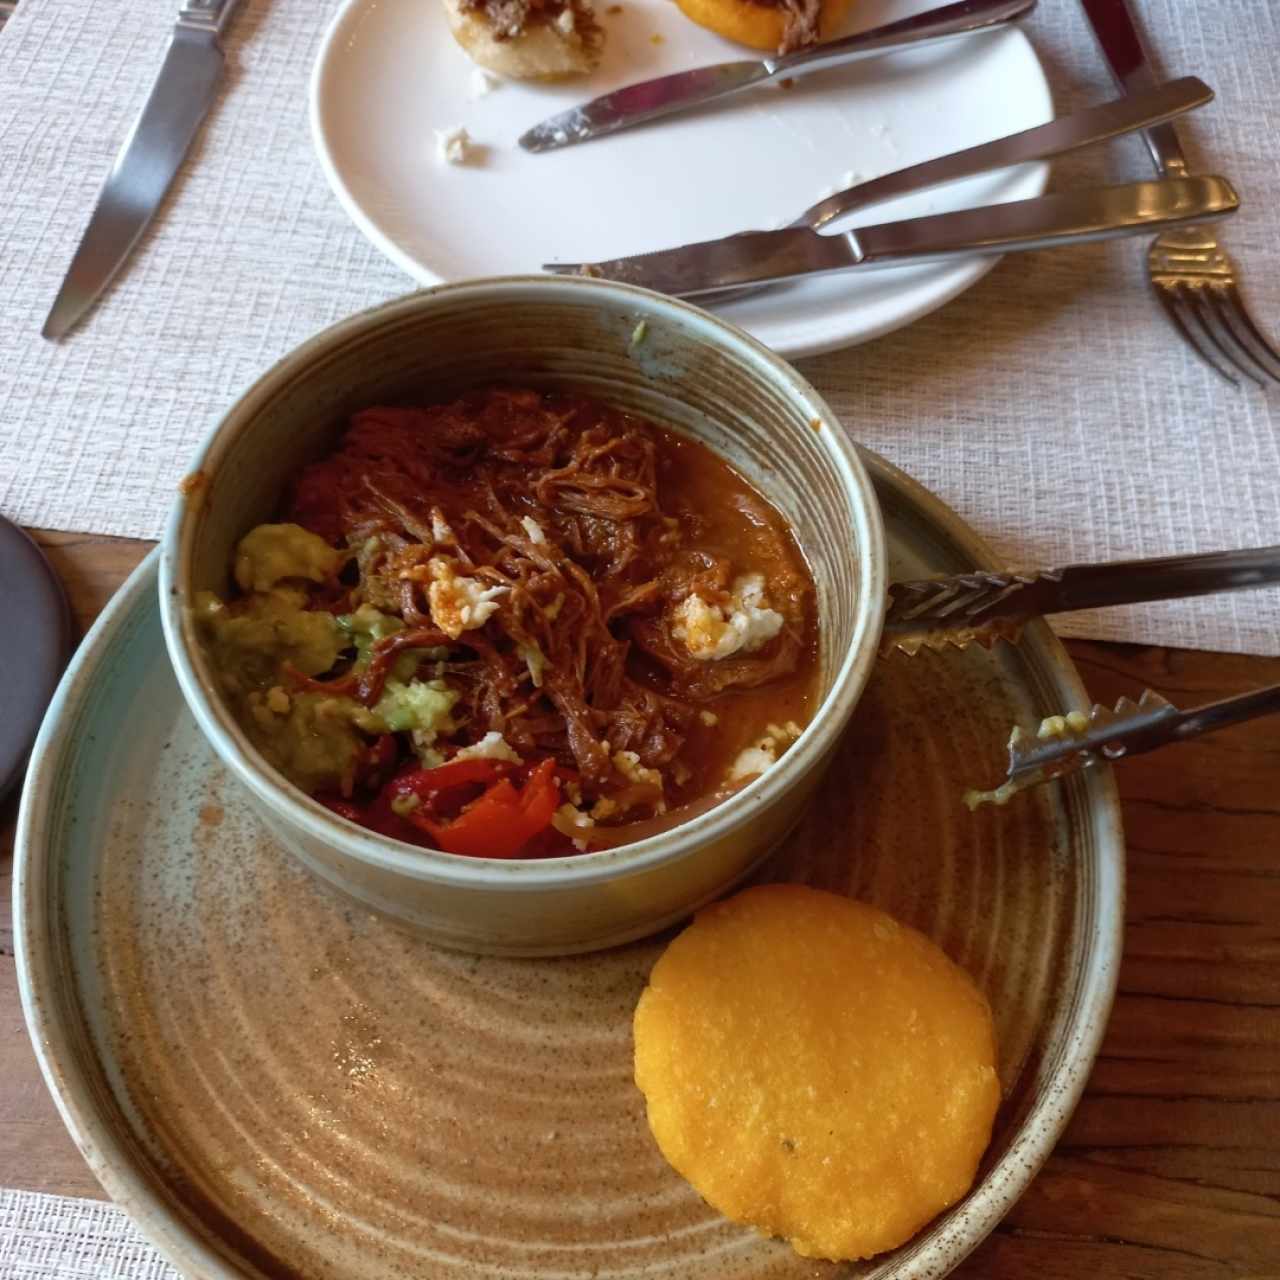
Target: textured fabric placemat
[
  {"x": 62, "y": 1238},
  {"x": 1051, "y": 404}
]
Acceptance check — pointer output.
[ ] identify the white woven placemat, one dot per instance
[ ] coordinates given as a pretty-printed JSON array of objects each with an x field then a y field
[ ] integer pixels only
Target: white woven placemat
[
  {"x": 60, "y": 1238},
  {"x": 1051, "y": 405}
]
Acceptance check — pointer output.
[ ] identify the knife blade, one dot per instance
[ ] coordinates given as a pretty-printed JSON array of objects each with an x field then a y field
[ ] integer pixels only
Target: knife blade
[
  {"x": 147, "y": 162},
  {"x": 652, "y": 99},
  {"x": 1076, "y": 217}
]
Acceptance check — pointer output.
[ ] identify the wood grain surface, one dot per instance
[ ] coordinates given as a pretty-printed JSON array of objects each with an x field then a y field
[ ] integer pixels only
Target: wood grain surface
[{"x": 1170, "y": 1169}]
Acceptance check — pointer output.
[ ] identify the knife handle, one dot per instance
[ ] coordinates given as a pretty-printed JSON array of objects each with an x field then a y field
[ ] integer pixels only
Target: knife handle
[
  {"x": 958, "y": 19},
  {"x": 1121, "y": 43},
  {"x": 1074, "y": 217},
  {"x": 209, "y": 16}
]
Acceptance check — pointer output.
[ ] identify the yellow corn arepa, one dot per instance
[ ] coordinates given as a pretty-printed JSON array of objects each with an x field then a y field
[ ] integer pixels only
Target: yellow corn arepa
[
  {"x": 761, "y": 26},
  {"x": 816, "y": 1069}
]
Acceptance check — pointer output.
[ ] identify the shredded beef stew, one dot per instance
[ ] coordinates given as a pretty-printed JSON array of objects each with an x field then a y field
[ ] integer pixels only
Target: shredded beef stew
[{"x": 555, "y": 627}]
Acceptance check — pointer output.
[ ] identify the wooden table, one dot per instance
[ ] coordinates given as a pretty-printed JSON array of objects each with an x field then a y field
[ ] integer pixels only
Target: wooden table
[{"x": 1170, "y": 1169}]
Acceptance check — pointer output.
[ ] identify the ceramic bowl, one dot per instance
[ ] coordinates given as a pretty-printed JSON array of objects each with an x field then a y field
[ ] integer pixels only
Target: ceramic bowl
[{"x": 651, "y": 355}]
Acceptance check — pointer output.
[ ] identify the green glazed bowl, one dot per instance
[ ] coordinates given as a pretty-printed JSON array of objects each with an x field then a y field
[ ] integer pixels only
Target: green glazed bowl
[{"x": 648, "y": 354}]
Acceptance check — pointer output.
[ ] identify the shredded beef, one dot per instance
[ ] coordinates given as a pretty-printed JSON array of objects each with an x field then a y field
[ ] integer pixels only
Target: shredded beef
[{"x": 556, "y": 500}]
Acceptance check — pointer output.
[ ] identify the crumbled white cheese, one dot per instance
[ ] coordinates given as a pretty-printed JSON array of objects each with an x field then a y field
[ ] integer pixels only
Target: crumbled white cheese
[
  {"x": 535, "y": 660},
  {"x": 440, "y": 530},
  {"x": 710, "y": 631},
  {"x": 458, "y": 603},
  {"x": 628, "y": 764},
  {"x": 1063, "y": 726},
  {"x": 453, "y": 145},
  {"x": 564, "y": 22},
  {"x": 429, "y": 755},
  {"x": 533, "y": 529},
  {"x": 764, "y": 752},
  {"x": 571, "y": 816},
  {"x": 483, "y": 82},
  {"x": 750, "y": 761},
  {"x": 493, "y": 746},
  {"x": 404, "y": 804},
  {"x": 708, "y": 718}
]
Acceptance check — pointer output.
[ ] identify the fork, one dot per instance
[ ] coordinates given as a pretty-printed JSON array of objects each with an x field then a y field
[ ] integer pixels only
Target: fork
[{"x": 1192, "y": 276}]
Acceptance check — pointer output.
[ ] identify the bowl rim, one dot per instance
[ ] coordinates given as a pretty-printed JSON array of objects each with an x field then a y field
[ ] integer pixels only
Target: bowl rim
[{"x": 316, "y": 822}]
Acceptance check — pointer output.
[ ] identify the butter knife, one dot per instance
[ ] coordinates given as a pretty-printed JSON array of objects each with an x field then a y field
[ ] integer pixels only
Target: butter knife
[
  {"x": 652, "y": 99},
  {"x": 1074, "y": 217},
  {"x": 148, "y": 160}
]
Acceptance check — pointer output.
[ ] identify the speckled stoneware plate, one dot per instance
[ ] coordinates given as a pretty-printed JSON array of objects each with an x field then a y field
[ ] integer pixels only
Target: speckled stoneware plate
[{"x": 277, "y": 1084}]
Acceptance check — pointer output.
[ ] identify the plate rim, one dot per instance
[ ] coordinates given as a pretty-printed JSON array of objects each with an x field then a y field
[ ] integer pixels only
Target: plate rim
[
  {"x": 956, "y": 277},
  {"x": 38, "y": 954}
]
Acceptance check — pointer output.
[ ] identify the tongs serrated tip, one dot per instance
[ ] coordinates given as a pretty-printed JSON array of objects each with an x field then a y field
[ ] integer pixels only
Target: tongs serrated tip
[
  {"x": 1077, "y": 740},
  {"x": 985, "y": 606},
  {"x": 955, "y": 612}
]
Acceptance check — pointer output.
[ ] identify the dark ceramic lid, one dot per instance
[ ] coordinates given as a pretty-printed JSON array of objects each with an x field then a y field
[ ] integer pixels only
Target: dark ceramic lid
[{"x": 35, "y": 638}]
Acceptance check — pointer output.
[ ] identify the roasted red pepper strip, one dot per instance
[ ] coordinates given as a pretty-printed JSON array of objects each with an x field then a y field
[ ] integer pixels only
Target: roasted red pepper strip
[
  {"x": 343, "y": 808},
  {"x": 502, "y": 821},
  {"x": 457, "y": 773}
]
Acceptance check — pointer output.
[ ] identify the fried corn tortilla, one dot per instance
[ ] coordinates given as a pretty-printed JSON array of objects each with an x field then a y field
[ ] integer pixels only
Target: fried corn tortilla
[{"x": 816, "y": 1069}]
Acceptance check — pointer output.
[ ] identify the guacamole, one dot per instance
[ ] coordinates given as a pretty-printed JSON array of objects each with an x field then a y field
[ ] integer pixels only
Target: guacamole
[{"x": 264, "y": 640}]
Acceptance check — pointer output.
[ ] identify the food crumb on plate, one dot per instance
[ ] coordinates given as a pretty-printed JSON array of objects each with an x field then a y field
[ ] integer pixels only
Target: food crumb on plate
[
  {"x": 454, "y": 145},
  {"x": 483, "y": 83}
]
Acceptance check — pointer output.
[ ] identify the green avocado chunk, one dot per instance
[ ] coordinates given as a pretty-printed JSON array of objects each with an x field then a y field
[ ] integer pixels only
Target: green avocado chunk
[
  {"x": 274, "y": 553},
  {"x": 313, "y": 737},
  {"x": 253, "y": 638}
]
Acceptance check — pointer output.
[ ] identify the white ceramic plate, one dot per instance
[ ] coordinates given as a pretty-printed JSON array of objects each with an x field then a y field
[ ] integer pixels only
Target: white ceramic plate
[{"x": 389, "y": 74}]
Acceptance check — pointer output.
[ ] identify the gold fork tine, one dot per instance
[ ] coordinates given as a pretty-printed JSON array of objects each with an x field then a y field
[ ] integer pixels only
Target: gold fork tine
[
  {"x": 1213, "y": 302},
  {"x": 1206, "y": 305},
  {"x": 1242, "y": 324},
  {"x": 1175, "y": 306}
]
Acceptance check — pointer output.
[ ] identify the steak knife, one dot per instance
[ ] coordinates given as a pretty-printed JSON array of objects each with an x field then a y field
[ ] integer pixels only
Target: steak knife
[
  {"x": 151, "y": 154},
  {"x": 683, "y": 90},
  {"x": 1074, "y": 217}
]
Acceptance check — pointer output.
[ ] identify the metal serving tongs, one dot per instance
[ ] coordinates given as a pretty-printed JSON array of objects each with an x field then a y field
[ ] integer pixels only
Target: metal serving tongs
[
  {"x": 937, "y": 613},
  {"x": 1065, "y": 744}
]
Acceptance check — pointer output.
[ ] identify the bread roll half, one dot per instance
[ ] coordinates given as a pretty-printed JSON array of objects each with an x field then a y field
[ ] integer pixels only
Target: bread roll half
[
  {"x": 545, "y": 41},
  {"x": 782, "y": 26}
]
